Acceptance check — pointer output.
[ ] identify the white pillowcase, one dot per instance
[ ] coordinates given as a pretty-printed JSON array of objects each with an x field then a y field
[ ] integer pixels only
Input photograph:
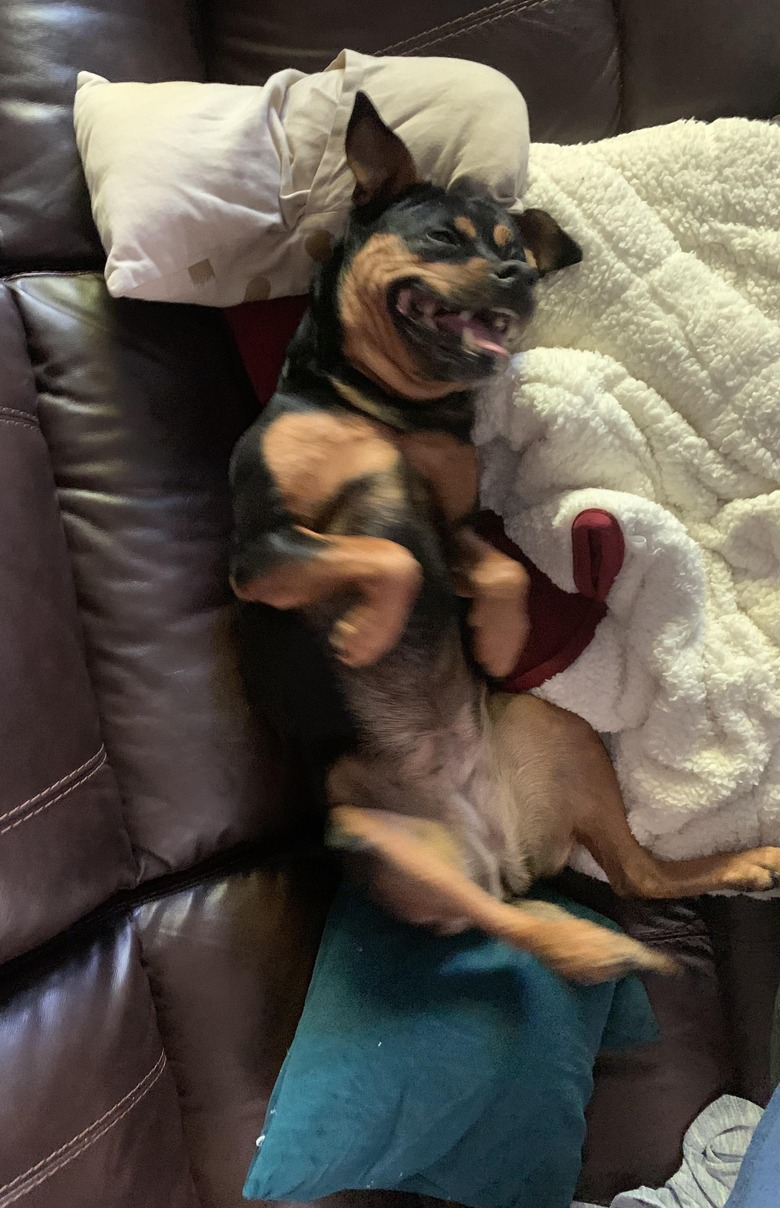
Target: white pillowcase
[{"x": 219, "y": 193}]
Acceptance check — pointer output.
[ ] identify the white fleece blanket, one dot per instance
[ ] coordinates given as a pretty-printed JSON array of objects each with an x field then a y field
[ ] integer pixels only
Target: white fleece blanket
[{"x": 652, "y": 390}]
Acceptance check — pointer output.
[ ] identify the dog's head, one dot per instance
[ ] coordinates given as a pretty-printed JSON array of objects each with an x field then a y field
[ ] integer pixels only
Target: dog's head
[{"x": 432, "y": 283}]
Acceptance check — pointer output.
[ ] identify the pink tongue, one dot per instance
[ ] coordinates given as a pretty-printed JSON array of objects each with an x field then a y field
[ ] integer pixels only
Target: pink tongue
[{"x": 482, "y": 335}]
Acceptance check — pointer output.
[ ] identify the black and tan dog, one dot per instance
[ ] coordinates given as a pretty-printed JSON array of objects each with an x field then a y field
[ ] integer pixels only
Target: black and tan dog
[{"x": 353, "y": 497}]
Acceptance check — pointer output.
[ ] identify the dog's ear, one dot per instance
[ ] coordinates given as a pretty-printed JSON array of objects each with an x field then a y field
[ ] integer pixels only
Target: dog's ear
[
  {"x": 550, "y": 247},
  {"x": 378, "y": 158}
]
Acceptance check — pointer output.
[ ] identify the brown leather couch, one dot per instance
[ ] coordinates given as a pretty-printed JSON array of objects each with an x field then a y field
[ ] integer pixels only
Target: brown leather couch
[{"x": 157, "y": 929}]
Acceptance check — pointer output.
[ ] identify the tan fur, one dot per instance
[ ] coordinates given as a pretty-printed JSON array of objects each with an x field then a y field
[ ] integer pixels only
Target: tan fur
[
  {"x": 371, "y": 341},
  {"x": 465, "y": 226},
  {"x": 384, "y": 575},
  {"x": 527, "y": 782},
  {"x": 498, "y": 587},
  {"x": 502, "y": 235},
  {"x": 448, "y": 464},
  {"x": 314, "y": 455},
  {"x": 560, "y": 760}
]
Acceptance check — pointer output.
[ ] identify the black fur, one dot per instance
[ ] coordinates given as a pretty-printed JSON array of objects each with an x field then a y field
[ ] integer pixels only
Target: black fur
[{"x": 291, "y": 674}]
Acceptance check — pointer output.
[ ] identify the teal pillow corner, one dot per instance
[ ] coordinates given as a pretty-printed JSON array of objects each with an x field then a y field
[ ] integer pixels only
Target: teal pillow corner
[{"x": 452, "y": 1067}]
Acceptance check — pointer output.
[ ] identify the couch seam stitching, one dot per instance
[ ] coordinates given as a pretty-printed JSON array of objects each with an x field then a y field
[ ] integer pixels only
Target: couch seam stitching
[
  {"x": 15, "y": 416},
  {"x": 83, "y": 1140},
  {"x": 17, "y": 809},
  {"x": 19, "y": 423},
  {"x": 620, "y": 52},
  {"x": 461, "y": 25},
  {"x": 46, "y": 805},
  {"x": 435, "y": 29},
  {"x": 21, "y": 301}
]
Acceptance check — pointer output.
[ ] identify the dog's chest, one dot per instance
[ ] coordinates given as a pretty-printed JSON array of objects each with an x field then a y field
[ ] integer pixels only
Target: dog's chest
[{"x": 447, "y": 464}]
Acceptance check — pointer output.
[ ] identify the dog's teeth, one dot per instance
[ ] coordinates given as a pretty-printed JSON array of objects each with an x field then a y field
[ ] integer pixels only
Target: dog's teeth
[{"x": 468, "y": 340}]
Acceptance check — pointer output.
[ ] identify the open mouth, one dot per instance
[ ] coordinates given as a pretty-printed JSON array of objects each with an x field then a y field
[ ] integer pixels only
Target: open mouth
[{"x": 482, "y": 332}]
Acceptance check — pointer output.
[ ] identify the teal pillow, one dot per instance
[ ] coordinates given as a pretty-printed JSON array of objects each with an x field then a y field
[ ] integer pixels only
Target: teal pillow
[{"x": 455, "y": 1067}]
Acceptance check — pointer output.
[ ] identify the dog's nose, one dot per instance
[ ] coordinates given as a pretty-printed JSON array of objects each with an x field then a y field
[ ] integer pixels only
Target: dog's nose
[{"x": 511, "y": 271}]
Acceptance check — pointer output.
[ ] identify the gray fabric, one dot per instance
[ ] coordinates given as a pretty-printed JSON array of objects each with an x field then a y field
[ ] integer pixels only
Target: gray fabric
[{"x": 713, "y": 1149}]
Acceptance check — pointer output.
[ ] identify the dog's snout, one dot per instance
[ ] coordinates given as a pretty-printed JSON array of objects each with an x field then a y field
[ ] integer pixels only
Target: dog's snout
[{"x": 516, "y": 271}]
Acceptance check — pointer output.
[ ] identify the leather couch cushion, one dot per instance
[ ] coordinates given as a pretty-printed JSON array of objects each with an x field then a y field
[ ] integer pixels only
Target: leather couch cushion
[
  {"x": 644, "y": 1101},
  {"x": 229, "y": 962},
  {"x": 140, "y": 405},
  {"x": 562, "y": 54},
  {"x": 746, "y": 940},
  {"x": 88, "y": 1114},
  {"x": 63, "y": 845},
  {"x": 699, "y": 58},
  {"x": 588, "y": 68},
  {"x": 45, "y": 220}
]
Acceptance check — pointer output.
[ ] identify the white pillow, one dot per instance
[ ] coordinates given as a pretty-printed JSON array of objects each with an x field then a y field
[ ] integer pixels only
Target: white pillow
[{"x": 218, "y": 193}]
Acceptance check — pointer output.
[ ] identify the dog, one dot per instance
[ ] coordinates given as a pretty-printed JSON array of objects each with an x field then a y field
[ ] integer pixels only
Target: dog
[{"x": 374, "y": 618}]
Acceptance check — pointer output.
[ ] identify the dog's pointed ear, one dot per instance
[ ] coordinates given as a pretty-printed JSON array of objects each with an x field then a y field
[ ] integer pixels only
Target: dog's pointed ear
[
  {"x": 378, "y": 158},
  {"x": 550, "y": 247}
]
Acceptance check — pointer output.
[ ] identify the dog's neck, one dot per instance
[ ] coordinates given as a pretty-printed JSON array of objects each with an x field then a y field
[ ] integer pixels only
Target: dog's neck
[
  {"x": 453, "y": 414},
  {"x": 316, "y": 365}
]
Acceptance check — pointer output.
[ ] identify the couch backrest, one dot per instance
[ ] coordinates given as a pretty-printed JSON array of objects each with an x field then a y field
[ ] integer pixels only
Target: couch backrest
[{"x": 588, "y": 68}]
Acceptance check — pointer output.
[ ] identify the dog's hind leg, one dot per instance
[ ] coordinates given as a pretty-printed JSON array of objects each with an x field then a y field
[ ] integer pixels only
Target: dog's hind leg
[
  {"x": 633, "y": 871},
  {"x": 418, "y": 880},
  {"x": 587, "y": 793}
]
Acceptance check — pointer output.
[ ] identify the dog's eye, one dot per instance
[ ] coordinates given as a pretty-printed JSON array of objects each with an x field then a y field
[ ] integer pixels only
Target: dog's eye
[{"x": 443, "y": 235}]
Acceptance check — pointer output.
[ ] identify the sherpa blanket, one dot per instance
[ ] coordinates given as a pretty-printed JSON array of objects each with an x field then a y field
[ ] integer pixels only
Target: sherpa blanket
[{"x": 651, "y": 390}]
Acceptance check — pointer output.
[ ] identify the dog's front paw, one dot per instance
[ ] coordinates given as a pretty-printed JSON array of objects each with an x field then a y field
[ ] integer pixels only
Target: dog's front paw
[
  {"x": 499, "y": 632},
  {"x": 372, "y": 627}
]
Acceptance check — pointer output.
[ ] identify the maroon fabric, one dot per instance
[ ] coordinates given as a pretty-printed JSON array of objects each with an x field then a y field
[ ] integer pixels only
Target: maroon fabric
[
  {"x": 262, "y": 331},
  {"x": 562, "y": 622},
  {"x": 598, "y": 549}
]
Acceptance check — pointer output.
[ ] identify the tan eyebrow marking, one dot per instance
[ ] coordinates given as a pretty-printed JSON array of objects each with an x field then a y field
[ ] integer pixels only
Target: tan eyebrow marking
[
  {"x": 465, "y": 226},
  {"x": 501, "y": 235}
]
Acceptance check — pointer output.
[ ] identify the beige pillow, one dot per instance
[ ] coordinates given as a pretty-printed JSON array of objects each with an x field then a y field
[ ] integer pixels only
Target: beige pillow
[{"x": 218, "y": 194}]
